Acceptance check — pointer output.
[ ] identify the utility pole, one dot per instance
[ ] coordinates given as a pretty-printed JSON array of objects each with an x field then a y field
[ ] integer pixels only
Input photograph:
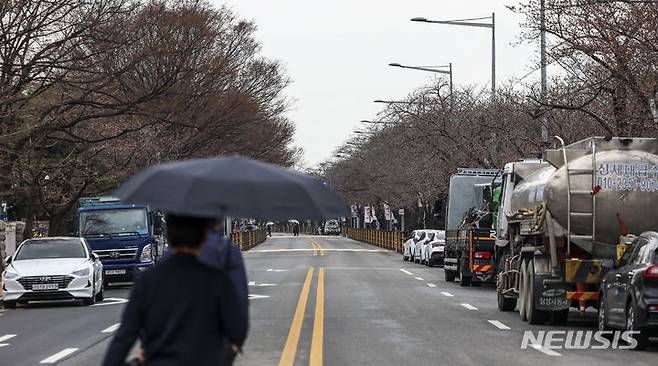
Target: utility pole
[
  {"x": 542, "y": 40},
  {"x": 493, "y": 54}
]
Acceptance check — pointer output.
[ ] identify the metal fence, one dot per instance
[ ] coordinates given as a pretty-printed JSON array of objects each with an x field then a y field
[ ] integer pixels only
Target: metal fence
[
  {"x": 248, "y": 239},
  {"x": 393, "y": 240}
]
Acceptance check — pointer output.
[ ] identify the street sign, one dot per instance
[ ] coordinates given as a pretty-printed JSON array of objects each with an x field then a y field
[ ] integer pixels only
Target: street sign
[{"x": 401, "y": 211}]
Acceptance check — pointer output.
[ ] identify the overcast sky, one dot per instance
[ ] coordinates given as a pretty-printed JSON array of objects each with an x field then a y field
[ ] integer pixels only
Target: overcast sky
[{"x": 337, "y": 52}]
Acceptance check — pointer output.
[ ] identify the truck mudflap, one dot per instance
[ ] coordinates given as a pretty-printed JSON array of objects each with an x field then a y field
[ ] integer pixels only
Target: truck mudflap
[{"x": 552, "y": 295}]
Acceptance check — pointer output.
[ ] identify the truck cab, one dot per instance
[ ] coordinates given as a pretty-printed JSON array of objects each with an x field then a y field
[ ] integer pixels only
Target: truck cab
[{"x": 127, "y": 238}]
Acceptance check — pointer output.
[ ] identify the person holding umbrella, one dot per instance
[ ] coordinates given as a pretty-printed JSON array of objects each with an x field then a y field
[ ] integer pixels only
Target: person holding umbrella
[
  {"x": 182, "y": 310},
  {"x": 190, "y": 191}
]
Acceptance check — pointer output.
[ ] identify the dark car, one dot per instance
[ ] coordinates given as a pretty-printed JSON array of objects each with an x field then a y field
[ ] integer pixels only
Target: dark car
[{"x": 629, "y": 291}]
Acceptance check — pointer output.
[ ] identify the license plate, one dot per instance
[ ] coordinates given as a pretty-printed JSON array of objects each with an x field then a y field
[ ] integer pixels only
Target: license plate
[
  {"x": 115, "y": 272},
  {"x": 44, "y": 286}
]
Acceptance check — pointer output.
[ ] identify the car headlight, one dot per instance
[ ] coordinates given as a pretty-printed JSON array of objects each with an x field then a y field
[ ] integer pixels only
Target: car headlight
[
  {"x": 146, "y": 254},
  {"x": 8, "y": 275},
  {"x": 82, "y": 272}
]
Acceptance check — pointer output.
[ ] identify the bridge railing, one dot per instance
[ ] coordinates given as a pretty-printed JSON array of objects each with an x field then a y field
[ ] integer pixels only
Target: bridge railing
[
  {"x": 248, "y": 239},
  {"x": 393, "y": 240}
]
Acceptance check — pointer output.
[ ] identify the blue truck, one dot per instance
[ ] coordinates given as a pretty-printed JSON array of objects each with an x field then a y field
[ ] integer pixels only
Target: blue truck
[{"x": 127, "y": 238}]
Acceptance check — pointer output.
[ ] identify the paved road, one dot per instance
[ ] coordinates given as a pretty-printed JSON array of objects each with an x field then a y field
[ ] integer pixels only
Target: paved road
[{"x": 335, "y": 301}]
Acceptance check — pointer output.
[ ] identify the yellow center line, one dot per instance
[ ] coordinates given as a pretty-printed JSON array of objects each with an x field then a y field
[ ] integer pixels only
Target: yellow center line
[
  {"x": 318, "y": 323},
  {"x": 315, "y": 243},
  {"x": 290, "y": 348},
  {"x": 315, "y": 248}
]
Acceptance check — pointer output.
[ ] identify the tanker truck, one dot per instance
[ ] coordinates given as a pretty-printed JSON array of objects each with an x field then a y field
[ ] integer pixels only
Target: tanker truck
[{"x": 561, "y": 219}]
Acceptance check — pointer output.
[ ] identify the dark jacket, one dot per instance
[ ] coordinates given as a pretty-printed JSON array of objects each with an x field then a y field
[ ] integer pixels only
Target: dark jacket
[{"x": 183, "y": 311}]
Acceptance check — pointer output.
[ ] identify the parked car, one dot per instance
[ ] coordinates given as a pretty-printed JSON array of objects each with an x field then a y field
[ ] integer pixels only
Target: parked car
[
  {"x": 410, "y": 244},
  {"x": 56, "y": 268},
  {"x": 434, "y": 250},
  {"x": 629, "y": 292},
  {"x": 418, "y": 251},
  {"x": 332, "y": 227}
]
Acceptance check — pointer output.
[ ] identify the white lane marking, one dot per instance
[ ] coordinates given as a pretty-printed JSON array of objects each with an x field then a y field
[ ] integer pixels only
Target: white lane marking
[
  {"x": 112, "y": 301},
  {"x": 420, "y": 279},
  {"x": 276, "y": 270},
  {"x": 112, "y": 328},
  {"x": 448, "y": 294},
  {"x": 7, "y": 337},
  {"x": 544, "y": 350},
  {"x": 498, "y": 324},
  {"x": 431, "y": 285},
  {"x": 468, "y": 306},
  {"x": 405, "y": 271},
  {"x": 59, "y": 355},
  {"x": 253, "y": 283},
  {"x": 4, "y": 344},
  {"x": 254, "y": 296}
]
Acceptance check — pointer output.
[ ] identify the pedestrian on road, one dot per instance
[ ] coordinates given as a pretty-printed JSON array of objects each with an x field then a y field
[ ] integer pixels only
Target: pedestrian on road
[
  {"x": 269, "y": 230},
  {"x": 295, "y": 229},
  {"x": 182, "y": 310}
]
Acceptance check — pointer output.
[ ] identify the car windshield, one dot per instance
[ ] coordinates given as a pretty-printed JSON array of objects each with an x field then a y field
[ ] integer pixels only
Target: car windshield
[
  {"x": 113, "y": 222},
  {"x": 42, "y": 249}
]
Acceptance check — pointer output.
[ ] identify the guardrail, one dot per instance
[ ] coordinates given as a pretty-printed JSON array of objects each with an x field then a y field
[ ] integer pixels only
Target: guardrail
[
  {"x": 393, "y": 240},
  {"x": 248, "y": 239}
]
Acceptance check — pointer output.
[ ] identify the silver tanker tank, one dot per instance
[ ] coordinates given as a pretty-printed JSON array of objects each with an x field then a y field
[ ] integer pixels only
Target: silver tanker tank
[{"x": 625, "y": 172}]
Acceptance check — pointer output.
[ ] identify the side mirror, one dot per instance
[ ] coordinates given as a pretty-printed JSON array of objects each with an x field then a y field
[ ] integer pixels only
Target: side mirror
[
  {"x": 8, "y": 259},
  {"x": 94, "y": 256}
]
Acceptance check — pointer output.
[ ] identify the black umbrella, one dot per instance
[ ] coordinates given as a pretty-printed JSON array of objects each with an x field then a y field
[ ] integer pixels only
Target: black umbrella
[{"x": 232, "y": 186}]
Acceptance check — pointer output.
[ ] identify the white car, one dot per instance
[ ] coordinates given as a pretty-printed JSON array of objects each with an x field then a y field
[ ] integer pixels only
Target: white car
[
  {"x": 434, "y": 250},
  {"x": 332, "y": 227},
  {"x": 410, "y": 244},
  {"x": 418, "y": 251},
  {"x": 57, "y": 268}
]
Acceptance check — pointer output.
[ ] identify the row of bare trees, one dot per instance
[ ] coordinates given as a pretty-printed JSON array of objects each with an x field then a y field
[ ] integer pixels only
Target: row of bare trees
[
  {"x": 91, "y": 91},
  {"x": 604, "y": 59}
]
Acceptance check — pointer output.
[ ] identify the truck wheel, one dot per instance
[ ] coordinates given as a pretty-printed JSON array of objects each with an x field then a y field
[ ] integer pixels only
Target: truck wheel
[
  {"x": 522, "y": 289},
  {"x": 449, "y": 275},
  {"x": 534, "y": 315},
  {"x": 464, "y": 281}
]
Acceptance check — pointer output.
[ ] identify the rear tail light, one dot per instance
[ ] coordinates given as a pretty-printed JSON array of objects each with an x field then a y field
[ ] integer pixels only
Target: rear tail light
[
  {"x": 482, "y": 255},
  {"x": 653, "y": 307},
  {"x": 651, "y": 271}
]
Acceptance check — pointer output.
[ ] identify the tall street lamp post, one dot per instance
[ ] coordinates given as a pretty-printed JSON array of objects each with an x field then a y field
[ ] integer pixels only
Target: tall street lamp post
[{"x": 473, "y": 22}]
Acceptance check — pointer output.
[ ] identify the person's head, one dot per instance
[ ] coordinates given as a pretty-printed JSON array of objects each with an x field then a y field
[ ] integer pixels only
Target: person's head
[{"x": 187, "y": 231}]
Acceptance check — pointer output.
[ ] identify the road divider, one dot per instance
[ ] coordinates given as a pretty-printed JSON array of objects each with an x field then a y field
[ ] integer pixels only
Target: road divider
[{"x": 392, "y": 240}]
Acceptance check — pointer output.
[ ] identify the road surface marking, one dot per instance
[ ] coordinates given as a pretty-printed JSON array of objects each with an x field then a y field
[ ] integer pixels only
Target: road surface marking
[
  {"x": 111, "y": 301},
  {"x": 448, "y": 294},
  {"x": 253, "y": 283},
  {"x": 4, "y": 344},
  {"x": 498, "y": 324},
  {"x": 405, "y": 271},
  {"x": 420, "y": 279},
  {"x": 276, "y": 270},
  {"x": 111, "y": 328},
  {"x": 431, "y": 285},
  {"x": 59, "y": 355},
  {"x": 544, "y": 350},
  {"x": 315, "y": 248},
  {"x": 255, "y": 297},
  {"x": 468, "y": 306},
  {"x": 319, "y": 247},
  {"x": 7, "y": 337},
  {"x": 317, "y": 341},
  {"x": 290, "y": 349}
]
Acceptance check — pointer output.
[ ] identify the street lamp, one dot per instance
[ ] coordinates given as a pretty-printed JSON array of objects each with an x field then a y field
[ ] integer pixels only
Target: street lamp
[
  {"x": 436, "y": 69},
  {"x": 473, "y": 22}
]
